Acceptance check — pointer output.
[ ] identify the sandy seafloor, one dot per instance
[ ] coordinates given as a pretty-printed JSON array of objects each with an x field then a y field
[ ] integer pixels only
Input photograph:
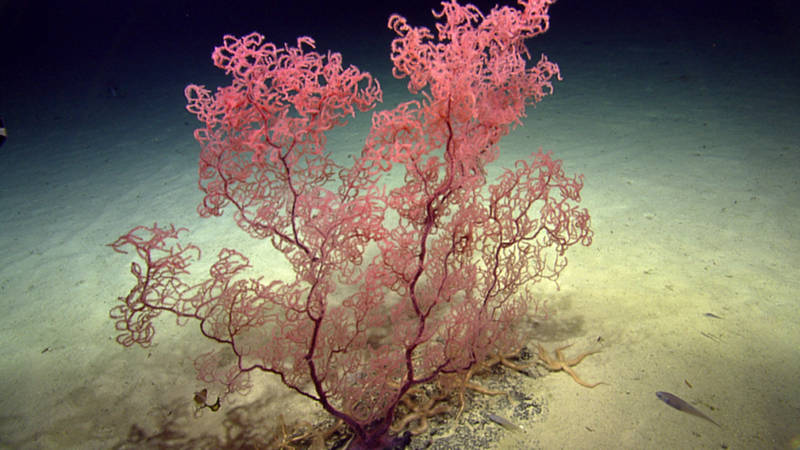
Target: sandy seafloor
[{"x": 690, "y": 149}]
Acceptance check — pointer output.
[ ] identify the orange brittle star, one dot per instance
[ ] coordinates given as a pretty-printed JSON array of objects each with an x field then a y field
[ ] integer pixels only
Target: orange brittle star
[
  {"x": 419, "y": 412},
  {"x": 561, "y": 363}
]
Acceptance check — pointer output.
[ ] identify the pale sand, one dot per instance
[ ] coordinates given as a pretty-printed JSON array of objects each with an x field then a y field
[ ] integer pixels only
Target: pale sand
[{"x": 691, "y": 179}]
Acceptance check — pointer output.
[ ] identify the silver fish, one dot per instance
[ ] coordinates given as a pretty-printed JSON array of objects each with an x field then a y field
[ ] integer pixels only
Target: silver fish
[
  {"x": 681, "y": 405},
  {"x": 503, "y": 422}
]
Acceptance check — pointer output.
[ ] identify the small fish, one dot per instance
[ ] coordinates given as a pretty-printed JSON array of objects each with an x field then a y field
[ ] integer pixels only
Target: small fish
[
  {"x": 681, "y": 405},
  {"x": 503, "y": 422},
  {"x": 3, "y": 134}
]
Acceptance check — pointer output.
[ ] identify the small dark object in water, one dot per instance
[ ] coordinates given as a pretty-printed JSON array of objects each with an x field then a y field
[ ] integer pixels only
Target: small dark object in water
[
  {"x": 3, "y": 133},
  {"x": 114, "y": 91},
  {"x": 681, "y": 405},
  {"x": 712, "y": 315}
]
